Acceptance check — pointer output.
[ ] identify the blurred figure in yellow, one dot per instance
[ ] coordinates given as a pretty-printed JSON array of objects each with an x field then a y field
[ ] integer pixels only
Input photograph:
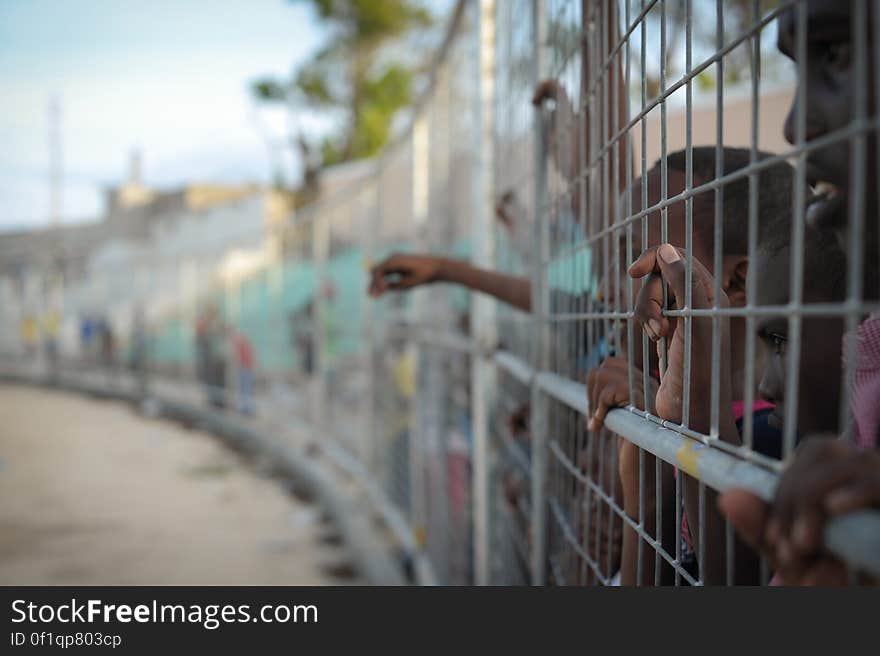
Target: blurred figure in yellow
[
  {"x": 30, "y": 335},
  {"x": 51, "y": 328}
]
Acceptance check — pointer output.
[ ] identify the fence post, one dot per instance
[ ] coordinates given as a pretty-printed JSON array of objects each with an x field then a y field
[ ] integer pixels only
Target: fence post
[
  {"x": 320, "y": 248},
  {"x": 232, "y": 318},
  {"x": 540, "y": 308},
  {"x": 483, "y": 327},
  {"x": 418, "y": 432},
  {"x": 373, "y": 222},
  {"x": 276, "y": 322}
]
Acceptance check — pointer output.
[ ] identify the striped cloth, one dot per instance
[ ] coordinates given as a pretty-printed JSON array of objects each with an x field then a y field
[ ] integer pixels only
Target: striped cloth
[{"x": 866, "y": 382}]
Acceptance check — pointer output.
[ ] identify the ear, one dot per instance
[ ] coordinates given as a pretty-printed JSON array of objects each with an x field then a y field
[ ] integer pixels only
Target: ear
[{"x": 735, "y": 272}]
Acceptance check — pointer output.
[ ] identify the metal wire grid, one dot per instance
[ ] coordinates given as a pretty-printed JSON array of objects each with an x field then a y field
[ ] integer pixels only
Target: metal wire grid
[
  {"x": 407, "y": 378},
  {"x": 511, "y": 483},
  {"x": 595, "y": 182}
]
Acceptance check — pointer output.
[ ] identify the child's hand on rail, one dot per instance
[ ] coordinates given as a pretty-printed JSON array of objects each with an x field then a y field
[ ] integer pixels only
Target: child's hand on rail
[
  {"x": 827, "y": 478},
  {"x": 667, "y": 263},
  {"x": 608, "y": 388}
]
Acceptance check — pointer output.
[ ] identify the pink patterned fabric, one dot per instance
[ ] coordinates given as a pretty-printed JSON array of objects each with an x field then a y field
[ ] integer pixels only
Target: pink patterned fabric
[
  {"x": 866, "y": 383},
  {"x": 866, "y": 389},
  {"x": 759, "y": 405}
]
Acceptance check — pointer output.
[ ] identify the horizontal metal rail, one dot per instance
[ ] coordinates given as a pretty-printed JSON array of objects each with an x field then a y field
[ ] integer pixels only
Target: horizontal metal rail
[
  {"x": 855, "y": 537},
  {"x": 515, "y": 366}
]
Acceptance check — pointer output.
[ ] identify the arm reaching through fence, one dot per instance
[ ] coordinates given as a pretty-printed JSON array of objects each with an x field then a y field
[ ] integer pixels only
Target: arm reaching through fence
[
  {"x": 401, "y": 272},
  {"x": 578, "y": 130},
  {"x": 608, "y": 387},
  {"x": 826, "y": 479}
]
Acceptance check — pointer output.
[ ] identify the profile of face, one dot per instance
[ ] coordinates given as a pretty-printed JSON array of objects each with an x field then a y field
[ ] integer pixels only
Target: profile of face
[
  {"x": 830, "y": 87},
  {"x": 818, "y": 393}
]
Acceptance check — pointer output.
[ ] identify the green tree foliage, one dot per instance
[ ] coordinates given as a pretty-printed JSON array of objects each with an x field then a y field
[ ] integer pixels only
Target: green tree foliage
[{"x": 356, "y": 73}]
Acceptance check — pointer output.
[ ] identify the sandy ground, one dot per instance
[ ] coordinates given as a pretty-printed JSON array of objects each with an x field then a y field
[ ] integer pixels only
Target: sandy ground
[{"x": 91, "y": 493}]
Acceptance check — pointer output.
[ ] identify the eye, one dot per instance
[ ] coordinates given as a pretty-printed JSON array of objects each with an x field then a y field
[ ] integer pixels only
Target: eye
[
  {"x": 835, "y": 55},
  {"x": 778, "y": 342}
]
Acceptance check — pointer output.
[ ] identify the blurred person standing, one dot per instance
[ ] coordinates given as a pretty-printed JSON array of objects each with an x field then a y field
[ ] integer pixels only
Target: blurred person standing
[
  {"x": 302, "y": 337},
  {"x": 51, "y": 328},
  {"x": 87, "y": 335},
  {"x": 139, "y": 360},
  {"x": 244, "y": 366},
  {"x": 30, "y": 335},
  {"x": 107, "y": 342},
  {"x": 211, "y": 357}
]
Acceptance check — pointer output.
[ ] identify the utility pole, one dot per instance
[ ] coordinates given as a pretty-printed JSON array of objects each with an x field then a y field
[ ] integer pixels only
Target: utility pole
[
  {"x": 55, "y": 161},
  {"x": 54, "y": 275}
]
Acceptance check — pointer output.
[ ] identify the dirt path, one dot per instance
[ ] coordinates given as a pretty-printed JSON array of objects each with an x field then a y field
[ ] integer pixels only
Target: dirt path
[{"x": 91, "y": 493}]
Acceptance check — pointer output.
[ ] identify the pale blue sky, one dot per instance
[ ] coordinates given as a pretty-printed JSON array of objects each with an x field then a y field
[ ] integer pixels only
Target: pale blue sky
[{"x": 166, "y": 76}]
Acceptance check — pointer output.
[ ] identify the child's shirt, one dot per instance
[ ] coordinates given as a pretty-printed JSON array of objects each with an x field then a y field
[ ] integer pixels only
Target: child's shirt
[
  {"x": 866, "y": 385},
  {"x": 766, "y": 440}
]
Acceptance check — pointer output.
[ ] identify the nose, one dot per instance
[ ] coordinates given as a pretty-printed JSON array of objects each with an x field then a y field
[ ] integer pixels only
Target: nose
[
  {"x": 789, "y": 128},
  {"x": 768, "y": 390}
]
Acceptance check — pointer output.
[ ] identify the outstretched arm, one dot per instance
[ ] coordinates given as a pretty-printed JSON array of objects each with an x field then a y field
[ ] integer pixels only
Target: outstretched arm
[{"x": 400, "y": 272}]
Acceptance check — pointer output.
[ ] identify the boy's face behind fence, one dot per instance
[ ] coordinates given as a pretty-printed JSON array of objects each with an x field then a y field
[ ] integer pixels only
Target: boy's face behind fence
[
  {"x": 830, "y": 93},
  {"x": 818, "y": 394}
]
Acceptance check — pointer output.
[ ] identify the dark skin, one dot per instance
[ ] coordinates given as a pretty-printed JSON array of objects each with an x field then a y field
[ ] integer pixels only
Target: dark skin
[
  {"x": 668, "y": 263},
  {"x": 734, "y": 267},
  {"x": 403, "y": 271},
  {"x": 830, "y": 90},
  {"x": 788, "y": 531},
  {"x": 817, "y": 403},
  {"x": 608, "y": 385},
  {"x": 828, "y": 478},
  {"x": 565, "y": 131},
  {"x": 820, "y": 362}
]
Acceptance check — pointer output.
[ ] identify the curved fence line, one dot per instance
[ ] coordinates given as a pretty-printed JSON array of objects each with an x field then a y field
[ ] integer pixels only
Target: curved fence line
[{"x": 468, "y": 417}]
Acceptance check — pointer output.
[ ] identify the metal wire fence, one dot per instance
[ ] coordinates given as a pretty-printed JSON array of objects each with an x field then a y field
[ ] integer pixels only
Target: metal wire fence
[{"x": 471, "y": 416}]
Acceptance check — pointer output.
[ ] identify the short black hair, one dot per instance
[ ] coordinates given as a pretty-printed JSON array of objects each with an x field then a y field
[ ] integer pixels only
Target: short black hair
[{"x": 775, "y": 185}]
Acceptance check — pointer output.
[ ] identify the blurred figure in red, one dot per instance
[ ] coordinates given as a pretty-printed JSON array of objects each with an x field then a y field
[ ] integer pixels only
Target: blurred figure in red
[{"x": 244, "y": 364}]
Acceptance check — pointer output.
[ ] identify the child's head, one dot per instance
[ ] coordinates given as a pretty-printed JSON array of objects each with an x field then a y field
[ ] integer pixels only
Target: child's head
[
  {"x": 830, "y": 90},
  {"x": 774, "y": 203},
  {"x": 774, "y": 200},
  {"x": 819, "y": 377}
]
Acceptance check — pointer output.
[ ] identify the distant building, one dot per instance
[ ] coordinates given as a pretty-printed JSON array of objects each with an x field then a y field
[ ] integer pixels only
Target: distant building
[{"x": 148, "y": 243}]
